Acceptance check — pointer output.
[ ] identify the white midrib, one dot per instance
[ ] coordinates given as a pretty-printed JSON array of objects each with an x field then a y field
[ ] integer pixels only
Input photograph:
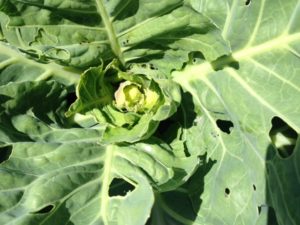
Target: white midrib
[
  {"x": 106, "y": 182},
  {"x": 116, "y": 48},
  {"x": 193, "y": 72},
  {"x": 280, "y": 42}
]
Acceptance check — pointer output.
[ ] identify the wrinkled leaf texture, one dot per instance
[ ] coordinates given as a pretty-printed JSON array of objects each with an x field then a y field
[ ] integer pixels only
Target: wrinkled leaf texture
[
  {"x": 69, "y": 170},
  {"x": 16, "y": 67},
  {"x": 263, "y": 83},
  {"x": 81, "y": 33},
  {"x": 238, "y": 178}
]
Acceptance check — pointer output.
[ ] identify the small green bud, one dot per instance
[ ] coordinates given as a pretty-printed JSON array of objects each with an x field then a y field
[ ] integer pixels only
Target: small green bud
[
  {"x": 129, "y": 97},
  {"x": 132, "y": 97},
  {"x": 133, "y": 94},
  {"x": 151, "y": 99}
]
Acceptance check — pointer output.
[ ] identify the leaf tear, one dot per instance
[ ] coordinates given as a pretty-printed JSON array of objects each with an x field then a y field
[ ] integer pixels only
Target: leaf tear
[{"x": 120, "y": 187}]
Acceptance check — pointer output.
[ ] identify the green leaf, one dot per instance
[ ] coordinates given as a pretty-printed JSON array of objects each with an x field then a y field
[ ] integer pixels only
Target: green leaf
[
  {"x": 283, "y": 184},
  {"x": 80, "y": 34},
  {"x": 77, "y": 187},
  {"x": 20, "y": 98},
  {"x": 15, "y": 67},
  {"x": 56, "y": 175},
  {"x": 97, "y": 92},
  {"x": 39, "y": 174},
  {"x": 93, "y": 91},
  {"x": 238, "y": 96}
]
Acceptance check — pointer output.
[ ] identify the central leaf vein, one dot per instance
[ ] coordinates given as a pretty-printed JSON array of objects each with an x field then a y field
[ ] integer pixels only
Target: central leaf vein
[{"x": 116, "y": 48}]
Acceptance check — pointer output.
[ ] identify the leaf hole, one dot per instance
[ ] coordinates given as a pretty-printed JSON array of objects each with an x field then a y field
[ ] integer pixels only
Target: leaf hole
[
  {"x": 283, "y": 137},
  {"x": 71, "y": 98},
  {"x": 126, "y": 42},
  {"x": 227, "y": 192},
  {"x": 214, "y": 134},
  {"x": 45, "y": 209},
  {"x": 225, "y": 125},
  {"x": 196, "y": 57},
  {"x": 254, "y": 187},
  {"x": 259, "y": 209},
  {"x": 119, "y": 187},
  {"x": 225, "y": 61},
  {"x": 152, "y": 67},
  {"x": 247, "y": 2},
  {"x": 5, "y": 153}
]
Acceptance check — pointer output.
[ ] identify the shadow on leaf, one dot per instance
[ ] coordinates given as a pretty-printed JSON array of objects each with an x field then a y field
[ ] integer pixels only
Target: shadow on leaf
[{"x": 282, "y": 174}]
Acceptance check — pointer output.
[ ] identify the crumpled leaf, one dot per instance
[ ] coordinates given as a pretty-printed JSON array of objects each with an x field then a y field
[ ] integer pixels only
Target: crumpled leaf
[
  {"x": 53, "y": 175},
  {"x": 96, "y": 93},
  {"x": 80, "y": 34},
  {"x": 16, "y": 67}
]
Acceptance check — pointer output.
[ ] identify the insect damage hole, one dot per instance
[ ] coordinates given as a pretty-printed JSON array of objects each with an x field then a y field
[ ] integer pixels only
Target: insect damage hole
[
  {"x": 71, "y": 98},
  {"x": 259, "y": 209},
  {"x": 225, "y": 125},
  {"x": 119, "y": 187},
  {"x": 247, "y": 2},
  {"x": 227, "y": 192},
  {"x": 5, "y": 153},
  {"x": 283, "y": 137},
  {"x": 45, "y": 209}
]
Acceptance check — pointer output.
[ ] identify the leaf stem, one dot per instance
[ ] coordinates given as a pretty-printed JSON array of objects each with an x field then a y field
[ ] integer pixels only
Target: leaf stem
[
  {"x": 106, "y": 179},
  {"x": 110, "y": 31}
]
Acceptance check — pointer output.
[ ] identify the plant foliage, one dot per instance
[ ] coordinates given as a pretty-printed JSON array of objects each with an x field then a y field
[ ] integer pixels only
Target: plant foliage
[{"x": 142, "y": 112}]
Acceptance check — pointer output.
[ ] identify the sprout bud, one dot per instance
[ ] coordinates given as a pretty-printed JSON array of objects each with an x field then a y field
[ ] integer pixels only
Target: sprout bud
[{"x": 132, "y": 97}]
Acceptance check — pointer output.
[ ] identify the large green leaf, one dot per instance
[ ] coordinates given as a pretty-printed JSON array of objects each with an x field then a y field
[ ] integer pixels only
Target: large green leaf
[
  {"x": 81, "y": 33},
  {"x": 15, "y": 67},
  {"x": 53, "y": 175},
  {"x": 260, "y": 81}
]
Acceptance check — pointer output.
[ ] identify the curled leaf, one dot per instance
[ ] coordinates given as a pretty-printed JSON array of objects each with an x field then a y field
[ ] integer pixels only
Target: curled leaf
[{"x": 131, "y": 104}]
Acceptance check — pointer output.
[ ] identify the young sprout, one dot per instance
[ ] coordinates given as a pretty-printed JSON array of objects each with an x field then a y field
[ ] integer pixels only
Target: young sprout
[{"x": 133, "y": 97}]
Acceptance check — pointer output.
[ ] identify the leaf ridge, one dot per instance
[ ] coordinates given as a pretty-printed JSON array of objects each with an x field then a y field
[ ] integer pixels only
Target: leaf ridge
[
  {"x": 276, "y": 43},
  {"x": 257, "y": 24},
  {"x": 229, "y": 16},
  {"x": 293, "y": 16},
  {"x": 275, "y": 74}
]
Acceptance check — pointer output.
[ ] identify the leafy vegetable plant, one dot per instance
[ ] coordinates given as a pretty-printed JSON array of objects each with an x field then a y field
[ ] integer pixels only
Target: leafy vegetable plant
[{"x": 138, "y": 112}]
